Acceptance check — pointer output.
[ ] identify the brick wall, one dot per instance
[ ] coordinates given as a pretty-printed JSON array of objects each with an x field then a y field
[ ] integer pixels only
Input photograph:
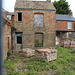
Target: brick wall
[
  {"x": 28, "y": 29},
  {"x": 62, "y": 25},
  {"x": 6, "y": 39},
  {"x": 6, "y": 34}
]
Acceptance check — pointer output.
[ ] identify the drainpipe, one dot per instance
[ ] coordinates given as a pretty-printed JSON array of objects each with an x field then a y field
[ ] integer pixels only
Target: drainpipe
[{"x": 1, "y": 42}]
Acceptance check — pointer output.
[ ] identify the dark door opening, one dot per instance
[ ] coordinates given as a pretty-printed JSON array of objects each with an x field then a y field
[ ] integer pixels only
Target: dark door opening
[
  {"x": 19, "y": 16},
  {"x": 8, "y": 42}
]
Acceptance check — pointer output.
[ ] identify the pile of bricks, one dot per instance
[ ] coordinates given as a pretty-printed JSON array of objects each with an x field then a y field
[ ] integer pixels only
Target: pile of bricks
[
  {"x": 46, "y": 54},
  {"x": 27, "y": 52}
]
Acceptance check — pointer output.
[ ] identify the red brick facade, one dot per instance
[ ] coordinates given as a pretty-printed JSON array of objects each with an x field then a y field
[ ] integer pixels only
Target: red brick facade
[
  {"x": 27, "y": 27},
  {"x": 62, "y": 25},
  {"x": 64, "y": 34},
  {"x": 6, "y": 34}
]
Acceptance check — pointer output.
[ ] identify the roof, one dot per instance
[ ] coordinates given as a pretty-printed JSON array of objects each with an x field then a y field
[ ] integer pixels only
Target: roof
[
  {"x": 34, "y": 4},
  {"x": 65, "y": 17},
  {"x": 12, "y": 13}
]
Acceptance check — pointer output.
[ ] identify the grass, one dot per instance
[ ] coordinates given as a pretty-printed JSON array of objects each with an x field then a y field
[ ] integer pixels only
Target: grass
[{"x": 64, "y": 65}]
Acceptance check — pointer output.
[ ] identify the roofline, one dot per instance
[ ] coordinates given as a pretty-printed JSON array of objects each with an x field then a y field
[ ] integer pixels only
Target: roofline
[{"x": 34, "y": 9}]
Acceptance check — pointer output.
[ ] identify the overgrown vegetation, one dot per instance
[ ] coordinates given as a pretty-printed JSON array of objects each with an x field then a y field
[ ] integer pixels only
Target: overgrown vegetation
[
  {"x": 8, "y": 54},
  {"x": 38, "y": 44},
  {"x": 64, "y": 65}
]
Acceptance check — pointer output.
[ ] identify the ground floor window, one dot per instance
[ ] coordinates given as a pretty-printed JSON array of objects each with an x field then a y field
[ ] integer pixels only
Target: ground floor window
[{"x": 19, "y": 39}]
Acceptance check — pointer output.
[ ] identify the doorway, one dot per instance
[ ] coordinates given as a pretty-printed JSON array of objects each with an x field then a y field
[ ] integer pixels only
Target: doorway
[
  {"x": 39, "y": 39},
  {"x": 18, "y": 41},
  {"x": 8, "y": 42}
]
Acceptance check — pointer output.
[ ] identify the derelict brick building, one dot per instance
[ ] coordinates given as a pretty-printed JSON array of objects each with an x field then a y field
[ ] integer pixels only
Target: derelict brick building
[{"x": 35, "y": 24}]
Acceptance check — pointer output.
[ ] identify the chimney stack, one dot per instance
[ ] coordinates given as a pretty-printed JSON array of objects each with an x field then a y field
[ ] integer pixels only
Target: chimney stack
[
  {"x": 49, "y": 0},
  {"x": 70, "y": 12}
]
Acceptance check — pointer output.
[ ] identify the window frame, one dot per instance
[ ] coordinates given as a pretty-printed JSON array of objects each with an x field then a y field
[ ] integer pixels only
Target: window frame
[
  {"x": 21, "y": 16},
  {"x": 69, "y": 26}
]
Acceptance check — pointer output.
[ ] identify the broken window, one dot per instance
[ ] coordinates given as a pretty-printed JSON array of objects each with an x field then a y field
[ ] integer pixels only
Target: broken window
[
  {"x": 39, "y": 20},
  {"x": 19, "y": 16},
  {"x": 19, "y": 40}
]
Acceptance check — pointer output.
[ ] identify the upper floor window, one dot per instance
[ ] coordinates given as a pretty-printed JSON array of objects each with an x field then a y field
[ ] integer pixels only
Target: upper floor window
[
  {"x": 39, "y": 20},
  {"x": 69, "y": 25},
  {"x": 9, "y": 17},
  {"x": 19, "y": 16}
]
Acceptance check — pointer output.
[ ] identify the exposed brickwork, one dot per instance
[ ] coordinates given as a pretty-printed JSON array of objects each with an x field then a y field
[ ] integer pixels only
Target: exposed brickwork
[
  {"x": 28, "y": 29},
  {"x": 6, "y": 39},
  {"x": 62, "y": 25},
  {"x": 49, "y": 0},
  {"x": 6, "y": 34}
]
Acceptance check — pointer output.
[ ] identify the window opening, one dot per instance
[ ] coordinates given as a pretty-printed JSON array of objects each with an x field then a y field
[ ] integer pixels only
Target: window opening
[
  {"x": 19, "y": 16},
  {"x": 19, "y": 40}
]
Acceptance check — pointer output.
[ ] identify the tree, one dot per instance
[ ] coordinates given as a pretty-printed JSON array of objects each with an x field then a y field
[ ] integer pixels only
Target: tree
[{"x": 62, "y": 7}]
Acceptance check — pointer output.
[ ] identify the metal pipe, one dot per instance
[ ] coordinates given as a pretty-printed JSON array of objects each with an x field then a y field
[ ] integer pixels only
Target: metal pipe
[{"x": 1, "y": 41}]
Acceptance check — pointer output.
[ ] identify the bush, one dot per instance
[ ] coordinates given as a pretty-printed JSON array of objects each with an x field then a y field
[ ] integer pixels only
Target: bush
[
  {"x": 37, "y": 44},
  {"x": 8, "y": 54}
]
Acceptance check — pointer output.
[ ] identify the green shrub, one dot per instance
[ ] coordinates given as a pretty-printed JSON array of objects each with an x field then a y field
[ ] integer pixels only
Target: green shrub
[
  {"x": 37, "y": 43},
  {"x": 64, "y": 65},
  {"x": 25, "y": 61},
  {"x": 8, "y": 54}
]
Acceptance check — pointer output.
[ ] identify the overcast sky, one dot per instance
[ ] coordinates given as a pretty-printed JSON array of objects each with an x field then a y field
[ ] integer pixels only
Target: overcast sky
[{"x": 9, "y": 5}]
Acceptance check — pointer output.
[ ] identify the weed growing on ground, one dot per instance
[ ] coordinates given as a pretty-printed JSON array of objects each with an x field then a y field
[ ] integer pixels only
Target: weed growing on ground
[{"x": 64, "y": 65}]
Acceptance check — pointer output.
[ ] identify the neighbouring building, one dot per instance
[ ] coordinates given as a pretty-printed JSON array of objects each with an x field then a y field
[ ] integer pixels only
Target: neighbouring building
[
  {"x": 65, "y": 28},
  {"x": 35, "y": 24},
  {"x": 7, "y": 24}
]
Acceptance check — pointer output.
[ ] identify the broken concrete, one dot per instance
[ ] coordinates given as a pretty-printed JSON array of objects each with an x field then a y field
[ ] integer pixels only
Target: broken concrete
[{"x": 27, "y": 52}]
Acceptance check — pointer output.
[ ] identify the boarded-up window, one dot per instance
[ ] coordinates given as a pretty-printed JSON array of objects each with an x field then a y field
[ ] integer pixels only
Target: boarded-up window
[{"x": 38, "y": 20}]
